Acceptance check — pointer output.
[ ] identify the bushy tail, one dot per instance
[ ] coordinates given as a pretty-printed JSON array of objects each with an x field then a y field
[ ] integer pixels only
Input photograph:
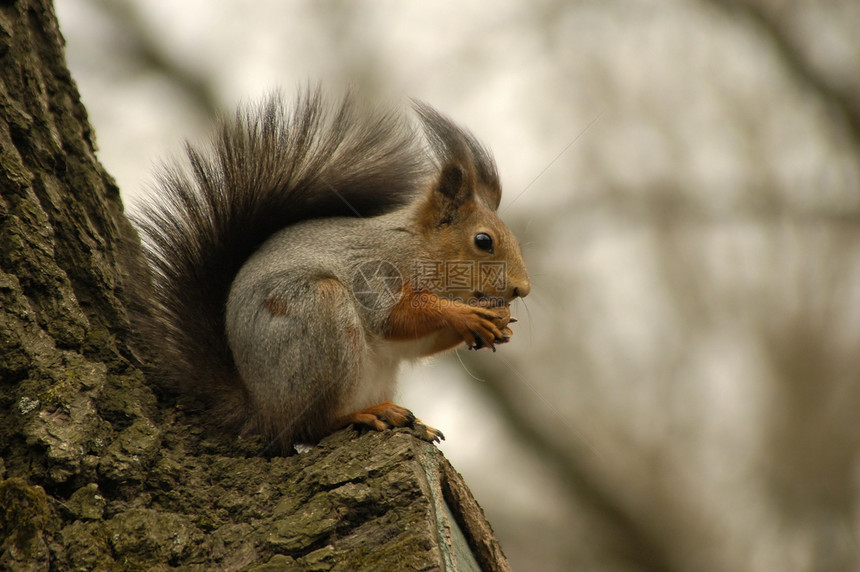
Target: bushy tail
[{"x": 272, "y": 166}]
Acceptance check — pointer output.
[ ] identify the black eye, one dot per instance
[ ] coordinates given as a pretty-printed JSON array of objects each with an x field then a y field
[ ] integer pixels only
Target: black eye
[{"x": 484, "y": 241}]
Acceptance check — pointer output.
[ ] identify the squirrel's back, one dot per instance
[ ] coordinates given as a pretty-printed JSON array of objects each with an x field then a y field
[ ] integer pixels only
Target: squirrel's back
[{"x": 269, "y": 167}]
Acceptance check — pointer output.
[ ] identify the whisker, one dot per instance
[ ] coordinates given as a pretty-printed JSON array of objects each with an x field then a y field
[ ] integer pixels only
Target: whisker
[{"x": 466, "y": 369}]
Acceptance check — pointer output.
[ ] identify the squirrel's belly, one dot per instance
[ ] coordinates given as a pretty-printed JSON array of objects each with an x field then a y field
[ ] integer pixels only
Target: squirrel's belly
[{"x": 377, "y": 381}]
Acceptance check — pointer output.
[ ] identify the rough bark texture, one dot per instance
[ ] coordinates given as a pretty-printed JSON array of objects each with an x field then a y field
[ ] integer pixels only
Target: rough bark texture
[{"x": 98, "y": 474}]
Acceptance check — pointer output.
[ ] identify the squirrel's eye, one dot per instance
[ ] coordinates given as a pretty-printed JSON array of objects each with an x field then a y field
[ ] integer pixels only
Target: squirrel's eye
[{"x": 484, "y": 241}]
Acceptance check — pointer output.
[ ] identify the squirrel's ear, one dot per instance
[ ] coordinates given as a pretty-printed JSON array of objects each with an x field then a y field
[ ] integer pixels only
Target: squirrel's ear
[
  {"x": 449, "y": 194},
  {"x": 454, "y": 185}
]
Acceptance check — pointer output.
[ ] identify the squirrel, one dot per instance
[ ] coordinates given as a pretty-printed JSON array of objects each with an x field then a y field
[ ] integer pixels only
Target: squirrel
[{"x": 312, "y": 248}]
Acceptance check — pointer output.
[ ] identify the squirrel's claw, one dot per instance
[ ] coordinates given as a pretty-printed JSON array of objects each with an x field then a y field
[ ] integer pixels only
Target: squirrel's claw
[
  {"x": 427, "y": 433},
  {"x": 479, "y": 343},
  {"x": 505, "y": 337}
]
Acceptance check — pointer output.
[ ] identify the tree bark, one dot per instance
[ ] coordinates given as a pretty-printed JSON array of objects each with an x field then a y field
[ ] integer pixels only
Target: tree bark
[{"x": 97, "y": 473}]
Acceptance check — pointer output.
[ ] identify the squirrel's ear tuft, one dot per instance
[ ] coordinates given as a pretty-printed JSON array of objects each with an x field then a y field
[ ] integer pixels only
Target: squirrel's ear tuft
[{"x": 454, "y": 147}]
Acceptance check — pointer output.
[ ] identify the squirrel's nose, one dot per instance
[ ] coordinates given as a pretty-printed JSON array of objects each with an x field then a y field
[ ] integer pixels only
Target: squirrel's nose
[{"x": 522, "y": 289}]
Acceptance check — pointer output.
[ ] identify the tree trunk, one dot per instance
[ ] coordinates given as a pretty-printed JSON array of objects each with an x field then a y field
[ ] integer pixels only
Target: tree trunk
[{"x": 95, "y": 472}]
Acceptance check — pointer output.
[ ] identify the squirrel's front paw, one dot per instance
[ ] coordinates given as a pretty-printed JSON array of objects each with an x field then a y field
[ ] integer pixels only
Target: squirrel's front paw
[
  {"x": 506, "y": 337},
  {"x": 484, "y": 324}
]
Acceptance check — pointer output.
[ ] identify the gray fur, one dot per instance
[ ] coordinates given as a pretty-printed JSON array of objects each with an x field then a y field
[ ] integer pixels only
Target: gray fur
[{"x": 306, "y": 366}]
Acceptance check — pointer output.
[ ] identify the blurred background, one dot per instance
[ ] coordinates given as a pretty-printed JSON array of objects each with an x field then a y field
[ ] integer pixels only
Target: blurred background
[{"x": 682, "y": 390}]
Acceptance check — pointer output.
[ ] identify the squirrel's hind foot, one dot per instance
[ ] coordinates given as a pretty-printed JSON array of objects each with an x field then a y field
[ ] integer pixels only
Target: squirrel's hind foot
[{"x": 388, "y": 415}]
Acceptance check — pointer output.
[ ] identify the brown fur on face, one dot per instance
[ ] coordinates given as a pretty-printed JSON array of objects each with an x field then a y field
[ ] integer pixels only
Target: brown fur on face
[{"x": 453, "y": 213}]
